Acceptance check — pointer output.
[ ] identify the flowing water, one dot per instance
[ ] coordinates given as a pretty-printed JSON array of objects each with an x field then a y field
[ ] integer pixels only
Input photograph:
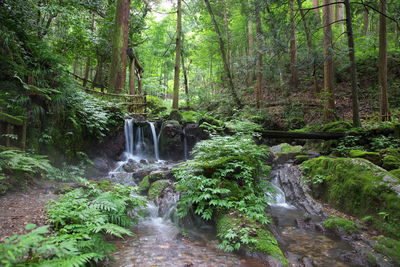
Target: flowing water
[{"x": 158, "y": 240}]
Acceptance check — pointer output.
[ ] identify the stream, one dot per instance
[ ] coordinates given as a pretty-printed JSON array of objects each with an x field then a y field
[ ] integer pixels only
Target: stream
[{"x": 158, "y": 239}]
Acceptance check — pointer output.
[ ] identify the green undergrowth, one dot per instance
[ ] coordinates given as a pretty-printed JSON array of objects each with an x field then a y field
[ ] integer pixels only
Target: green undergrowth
[
  {"x": 289, "y": 149},
  {"x": 341, "y": 225},
  {"x": 79, "y": 222},
  {"x": 236, "y": 230},
  {"x": 357, "y": 187},
  {"x": 19, "y": 168},
  {"x": 224, "y": 177},
  {"x": 389, "y": 247}
]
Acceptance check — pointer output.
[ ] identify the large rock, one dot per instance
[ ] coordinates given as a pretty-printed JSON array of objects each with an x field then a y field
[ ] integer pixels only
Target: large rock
[
  {"x": 171, "y": 141},
  {"x": 194, "y": 134}
]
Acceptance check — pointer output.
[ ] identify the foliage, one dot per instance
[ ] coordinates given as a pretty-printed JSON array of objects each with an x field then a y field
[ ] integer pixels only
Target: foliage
[
  {"x": 384, "y": 142},
  {"x": 346, "y": 144},
  {"x": 157, "y": 187},
  {"x": 224, "y": 175},
  {"x": 17, "y": 162},
  {"x": 289, "y": 149},
  {"x": 243, "y": 126},
  {"x": 80, "y": 219},
  {"x": 357, "y": 187},
  {"x": 389, "y": 247}
]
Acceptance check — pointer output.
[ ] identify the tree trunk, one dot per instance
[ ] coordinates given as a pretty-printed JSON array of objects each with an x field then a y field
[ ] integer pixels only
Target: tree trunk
[
  {"x": 223, "y": 55},
  {"x": 329, "y": 110},
  {"x": 353, "y": 67},
  {"x": 140, "y": 83},
  {"x": 316, "y": 11},
  {"x": 385, "y": 113},
  {"x": 86, "y": 75},
  {"x": 120, "y": 45},
  {"x": 185, "y": 80},
  {"x": 76, "y": 65},
  {"x": 259, "y": 66},
  {"x": 294, "y": 79},
  {"x": 250, "y": 50},
  {"x": 175, "y": 101},
  {"x": 311, "y": 49},
  {"x": 366, "y": 23},
  {"x": 132, "y": 76}
]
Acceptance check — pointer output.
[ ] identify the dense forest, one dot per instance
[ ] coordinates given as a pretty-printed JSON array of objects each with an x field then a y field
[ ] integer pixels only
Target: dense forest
[{"x": 200, "y": 133}]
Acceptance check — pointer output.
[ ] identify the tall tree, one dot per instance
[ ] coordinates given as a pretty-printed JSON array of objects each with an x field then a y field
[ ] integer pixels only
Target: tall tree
[
  {"x": 294, "y": 79},
  {"x": 310, "y": 46},
  {"x": 120, "y": 46},
  {"x": 384, "y": 105},
  {"x": 259, "y": 66},
  {"x": 316, "y": 10},
  {"x": 329, "y": 110},
  {"x": 221, "y": 42},
  {"x": 175, "y": 100},
  {"x": 250, "y": 45},
  {"x": 353, "y": 67}
]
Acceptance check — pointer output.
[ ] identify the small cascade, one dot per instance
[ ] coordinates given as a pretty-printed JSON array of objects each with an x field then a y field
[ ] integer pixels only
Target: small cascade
[
  {"x": 155, "y": 141},
  {"x": 185, "y": 145},
  {"x": 128, "y": 129},
  {"x": 277, "y": 196},
  {"x": 140, "y": 145}
]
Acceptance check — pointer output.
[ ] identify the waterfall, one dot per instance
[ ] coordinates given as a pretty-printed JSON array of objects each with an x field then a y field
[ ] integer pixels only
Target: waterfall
[
  {"x": 185, "y": 146},
  {"x": 278, "y": 197},
  {"x": 155, "y": 140},
  {"x": 140, "y": 146},
  {"x": 128, "y": 129}
]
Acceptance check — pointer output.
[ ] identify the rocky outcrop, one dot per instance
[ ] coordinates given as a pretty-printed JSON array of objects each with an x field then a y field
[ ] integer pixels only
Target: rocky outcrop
[{"x": 171, "y": 141}]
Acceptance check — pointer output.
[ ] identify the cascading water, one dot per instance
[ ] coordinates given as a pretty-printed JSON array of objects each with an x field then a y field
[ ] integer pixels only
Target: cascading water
[
  {"x": 140, "y": 145},
  {"x": 155, "y": 140},
  {"x": 128, "y": 129}
]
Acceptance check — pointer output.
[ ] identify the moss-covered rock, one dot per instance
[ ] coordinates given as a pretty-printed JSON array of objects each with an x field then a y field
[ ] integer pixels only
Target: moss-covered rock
[
  {"x": 374, "y": 157},
  {"x": 175, "y": 115},
  {"x": 171, "y": 145},
  {"x": 391, "y": 162},
  {"x": 157, "y": 187},
  {"x": 340, "y": 225},
  {"x": 357, "y": 187},
  {"x": 262, "y": 241},
  {"x": 287, "y": 149},
  {"x": 144, "y": 185},
  {"x": 389, "y": 247}
]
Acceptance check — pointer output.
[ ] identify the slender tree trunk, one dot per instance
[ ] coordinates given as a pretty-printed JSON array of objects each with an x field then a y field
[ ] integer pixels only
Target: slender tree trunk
[
  {"x": 86, "y": 75},
  {"x": 329, "y": 111},
  {"x": 132, "y": 74},
  {"x": 316, "y": 11},
  {"x": 140, "y": 83},
  {"x": 120, "y": 45},
  {"x": 259, "y": 66},
  {"x": 175, "y": 101},
  {"x": 311, "y": 49},
  {"x": 366, "y": 23},
  {"x": 250, "y": 50},
  {"x": 353, "y": 67},
  {"x": 185, "y": 80},
  {"x": 76, "y": 65},
  {"x": 385, "y": 113},
  {"x": 294, "y": 79},
  {"x": 224, "y": 57}
]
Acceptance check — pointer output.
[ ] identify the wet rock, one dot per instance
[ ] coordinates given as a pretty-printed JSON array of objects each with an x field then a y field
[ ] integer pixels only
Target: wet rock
[
  {"x": 130, "y": 166},
  {"x": 194, "y": 134},
  {"x": 143, "y": 161},
  {"x": 171, "y": 145}
]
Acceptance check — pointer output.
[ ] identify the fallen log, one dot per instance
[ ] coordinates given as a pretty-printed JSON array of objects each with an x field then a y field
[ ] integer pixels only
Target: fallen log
[{"x": 295, "y": 135}]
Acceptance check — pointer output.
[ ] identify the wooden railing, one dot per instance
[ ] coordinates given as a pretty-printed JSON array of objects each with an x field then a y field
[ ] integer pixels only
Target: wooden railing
[
  {"x": 12, "y": 125},
  {"x": 136, "y": 103}
]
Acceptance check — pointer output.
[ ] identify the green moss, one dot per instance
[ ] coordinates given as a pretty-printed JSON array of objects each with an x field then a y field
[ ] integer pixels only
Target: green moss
[
  {"x": 262, "y": 239},
  {"x": 357, "y": 187},
  {"x": 15, "y": 120},
  {"x": 144, "y": 185},
  {"x": 289, "y": 149},
  {"x": 395, "y": 173},
  {"x": 341, "y": 225},
  {"x": 391, "y": 162},
  {"x": 157, "y": 187},
  {"x": 389, "y": 247},
  {"x": 374, "y": 157},
  {"x": 190, "y": 116},
  {"x": 175, "y": 115},
  {"x": 332, "y": 127}
]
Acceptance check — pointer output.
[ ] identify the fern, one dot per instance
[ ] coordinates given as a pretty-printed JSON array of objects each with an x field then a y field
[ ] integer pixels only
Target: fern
[{"x": 75, "y": 261}]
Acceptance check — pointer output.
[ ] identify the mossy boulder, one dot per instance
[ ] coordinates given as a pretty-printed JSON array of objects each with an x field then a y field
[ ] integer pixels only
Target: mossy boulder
[
  {"x": 262, "y": 240},
  {"x": 157, "y": 187},
  {"x": 340, "y": 225},
  {"x": 144, "y": 185},
  {"x": 391, "y": 162},
  {"x": 374, "y": 157},
  {"x": 175, "y": 115},
  {"x": 357, "y": 187}
]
